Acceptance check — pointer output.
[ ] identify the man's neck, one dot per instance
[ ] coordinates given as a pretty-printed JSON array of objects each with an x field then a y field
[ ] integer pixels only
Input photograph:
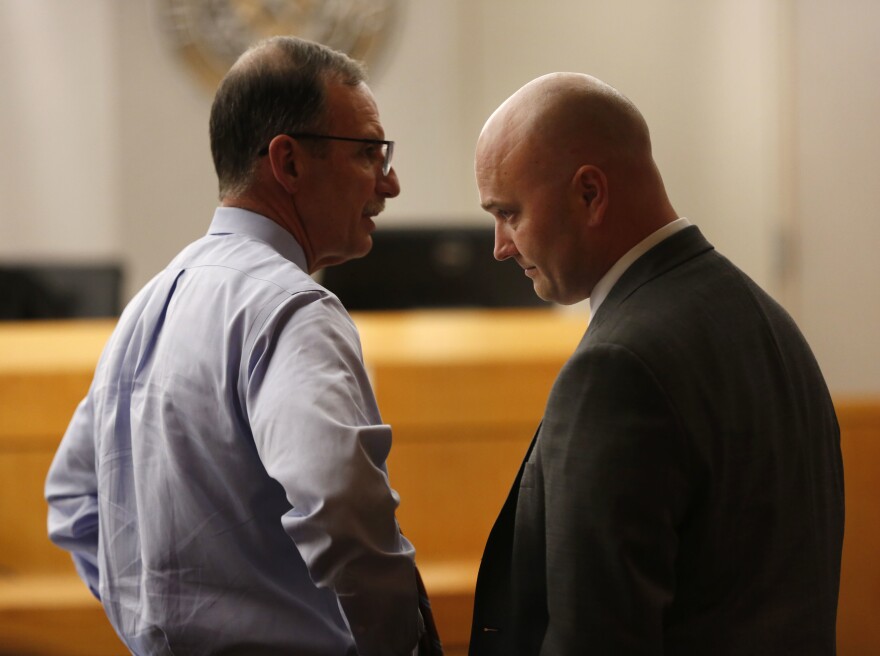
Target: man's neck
[{"x": 277, "y": 213}]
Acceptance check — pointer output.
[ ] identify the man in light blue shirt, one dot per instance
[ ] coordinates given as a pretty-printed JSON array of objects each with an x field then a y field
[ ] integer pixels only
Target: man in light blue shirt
[{"x": 223, "y": 488}]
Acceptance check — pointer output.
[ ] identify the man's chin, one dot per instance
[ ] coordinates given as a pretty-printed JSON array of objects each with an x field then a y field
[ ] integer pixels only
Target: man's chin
[
  {"x": 352, "y": 254},
  {"x": 366, "y": 247},
  {"x": 557, "y": 296},
  {"x": 542, "y": 292},
  {"x": 363, "y": 249}
]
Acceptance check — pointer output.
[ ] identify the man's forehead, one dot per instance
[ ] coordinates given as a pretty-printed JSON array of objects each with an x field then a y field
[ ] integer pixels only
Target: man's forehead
[
  {"x": 498, "y": 136},
  {"x": 498, "y": 172},
  {"x": 502, "y": 152},
  {"x": 345, "y": 98},
  {"x": 353, "y": 107}
]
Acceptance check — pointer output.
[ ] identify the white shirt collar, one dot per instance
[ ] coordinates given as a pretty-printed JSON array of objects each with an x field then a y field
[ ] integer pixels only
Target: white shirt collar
[
  {"x": 606, "y": 282},
  {"x": 236, "y": 220}
]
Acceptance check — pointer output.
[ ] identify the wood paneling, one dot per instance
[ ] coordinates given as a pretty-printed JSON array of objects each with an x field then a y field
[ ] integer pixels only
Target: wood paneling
[
  {"x": 463, "y": 391},
  {"x": 858, "y": 631}
]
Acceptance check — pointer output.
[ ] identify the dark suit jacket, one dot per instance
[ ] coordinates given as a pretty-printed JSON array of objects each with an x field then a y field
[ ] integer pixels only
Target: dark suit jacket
[{"x": 684, "y": 493}]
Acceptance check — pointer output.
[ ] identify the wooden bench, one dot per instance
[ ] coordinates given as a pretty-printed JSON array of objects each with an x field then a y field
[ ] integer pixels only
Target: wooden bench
[{"x": 464, "y": 392}]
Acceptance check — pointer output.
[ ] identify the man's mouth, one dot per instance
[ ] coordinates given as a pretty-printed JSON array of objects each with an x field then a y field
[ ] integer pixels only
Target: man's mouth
[{"x": 373, "y": 210}]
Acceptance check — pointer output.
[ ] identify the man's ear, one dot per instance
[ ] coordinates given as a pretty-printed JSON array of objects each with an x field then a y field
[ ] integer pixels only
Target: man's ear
[
  {"x": 285, "y": 160},
  {"x": 591, "y": 188}
]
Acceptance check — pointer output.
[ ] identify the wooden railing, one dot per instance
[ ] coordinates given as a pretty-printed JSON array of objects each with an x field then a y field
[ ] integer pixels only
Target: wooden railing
[
  {"x": 464, "y": 392},
  {"x": 858, "y": 632}
]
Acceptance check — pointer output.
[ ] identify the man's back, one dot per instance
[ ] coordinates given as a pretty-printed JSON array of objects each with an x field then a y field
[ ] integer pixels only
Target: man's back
[
  {"x": 222, "y": 488},
  {"x": 684, "y": 494},
  {"x": 759, "y": 539},
  {"x": 721, "y": 496},
  {"x": 194, "y": 458}
]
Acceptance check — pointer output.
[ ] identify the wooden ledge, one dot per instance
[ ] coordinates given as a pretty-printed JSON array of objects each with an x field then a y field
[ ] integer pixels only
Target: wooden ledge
[
  {"x": 56, "y": 614},
  {"x": 44, "y": 591}
]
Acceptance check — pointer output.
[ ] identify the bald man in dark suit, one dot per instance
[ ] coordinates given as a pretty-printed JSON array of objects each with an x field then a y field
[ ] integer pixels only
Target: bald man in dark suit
[{"x": 684, "y": 492}]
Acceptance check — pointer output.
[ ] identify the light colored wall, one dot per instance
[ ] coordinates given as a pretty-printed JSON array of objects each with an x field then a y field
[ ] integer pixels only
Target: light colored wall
[
  {"x": 762, "y": 113},
  {"x": 166, "y": 175},
  {"x": 426, "y": 103},
  {"x": 837, "y": 123},
  {"x": 59, "y": 189},
  {"x": 704, "y": 75}
]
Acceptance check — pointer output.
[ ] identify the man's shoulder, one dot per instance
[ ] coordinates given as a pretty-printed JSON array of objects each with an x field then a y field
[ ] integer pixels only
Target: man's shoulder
[
  {"x": 247, "y": 266},
  {"x": 237, "y": 280}
]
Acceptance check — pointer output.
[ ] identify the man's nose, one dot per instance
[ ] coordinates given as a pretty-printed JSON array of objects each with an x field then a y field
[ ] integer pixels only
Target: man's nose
[
  {"x": 388, "y": 186},
  {"x": 504, "y": 247}
]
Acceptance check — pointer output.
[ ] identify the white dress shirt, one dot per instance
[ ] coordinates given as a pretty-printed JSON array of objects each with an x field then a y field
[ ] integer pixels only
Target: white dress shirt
[{"x": 223, "y": 485}]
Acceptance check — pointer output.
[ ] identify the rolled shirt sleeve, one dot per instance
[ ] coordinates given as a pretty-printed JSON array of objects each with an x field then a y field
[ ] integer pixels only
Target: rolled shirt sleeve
[
  {"x": 72, "y": 495},
  {"x": 317, "y": 430}
]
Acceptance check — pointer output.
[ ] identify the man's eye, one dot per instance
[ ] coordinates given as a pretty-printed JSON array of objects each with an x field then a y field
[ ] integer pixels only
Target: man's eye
[{"x": 504, "y": 215}]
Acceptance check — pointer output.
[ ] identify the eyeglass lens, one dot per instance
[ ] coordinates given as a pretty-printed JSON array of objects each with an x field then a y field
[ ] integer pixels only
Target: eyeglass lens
[{"x": 387, "y": 152}]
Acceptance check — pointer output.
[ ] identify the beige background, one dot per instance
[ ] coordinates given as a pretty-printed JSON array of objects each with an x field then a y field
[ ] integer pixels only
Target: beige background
[{"x": 763, "y": 112}]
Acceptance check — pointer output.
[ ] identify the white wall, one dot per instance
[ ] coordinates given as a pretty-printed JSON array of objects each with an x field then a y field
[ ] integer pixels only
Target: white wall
[
  {"x": 166, "y": 174},
  {"x": 705, "y": 74},
  {"x": 426, "y": 105},
  {"x": 838, "y": 194},
  {"x": 59, "y": 190},
  {"x": 763, "y": 114}
]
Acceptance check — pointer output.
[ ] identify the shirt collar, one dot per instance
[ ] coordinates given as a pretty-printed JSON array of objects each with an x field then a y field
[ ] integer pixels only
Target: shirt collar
[
  {"x": 237, "y": 221},
  {"x": 606, "y": 282}
]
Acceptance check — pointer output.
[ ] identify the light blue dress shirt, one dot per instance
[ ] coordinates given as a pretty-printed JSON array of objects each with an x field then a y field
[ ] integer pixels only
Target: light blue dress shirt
[{"x": 223, "y": 485}]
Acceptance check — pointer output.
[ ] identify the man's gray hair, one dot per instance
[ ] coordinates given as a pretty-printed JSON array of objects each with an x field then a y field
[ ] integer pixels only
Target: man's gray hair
[{"x": 276, "y": 87}]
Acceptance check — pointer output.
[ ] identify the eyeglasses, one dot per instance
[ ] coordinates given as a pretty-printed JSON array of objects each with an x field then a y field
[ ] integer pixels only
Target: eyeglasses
[{"x": 386, "y": 146}]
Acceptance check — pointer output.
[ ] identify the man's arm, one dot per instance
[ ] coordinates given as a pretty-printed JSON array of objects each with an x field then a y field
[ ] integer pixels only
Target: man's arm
[
  {"x": 72, "y": 494},
  {"x": 318, "y": 432},
  {"x": 616, "y": 489}
]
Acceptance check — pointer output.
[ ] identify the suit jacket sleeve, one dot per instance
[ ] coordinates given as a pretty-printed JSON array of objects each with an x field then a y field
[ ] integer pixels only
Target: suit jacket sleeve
[{"x": 615, "y": 478}]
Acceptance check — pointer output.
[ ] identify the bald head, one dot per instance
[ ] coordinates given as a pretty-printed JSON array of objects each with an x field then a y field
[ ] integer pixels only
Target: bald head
[
  {"x": 571, "y": 117},
  {"x": 565, "y": 166}
]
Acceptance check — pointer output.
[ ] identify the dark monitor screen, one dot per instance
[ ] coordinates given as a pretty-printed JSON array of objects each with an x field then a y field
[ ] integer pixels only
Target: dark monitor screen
[
  {"x": 59, "y": 291},
  {"x": 430, "y": 268}
]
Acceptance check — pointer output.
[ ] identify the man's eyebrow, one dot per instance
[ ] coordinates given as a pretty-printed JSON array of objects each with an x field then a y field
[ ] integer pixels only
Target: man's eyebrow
[{"x": 489, "y": 204}]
